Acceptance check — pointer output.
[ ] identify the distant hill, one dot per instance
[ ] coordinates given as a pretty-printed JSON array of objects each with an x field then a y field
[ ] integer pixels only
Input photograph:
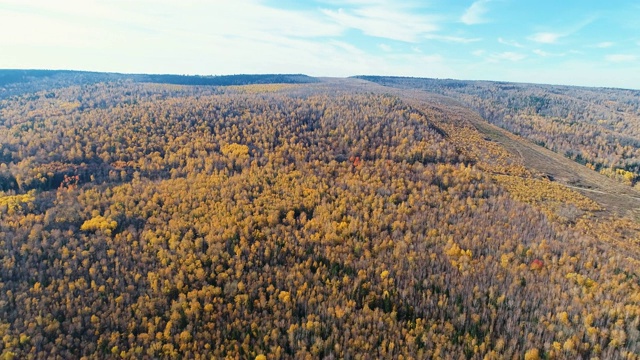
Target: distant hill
[
  {"x": 227, "y": 80},
  {"x": 8, "y": 77},
  {"x": 14, "y": 82}
]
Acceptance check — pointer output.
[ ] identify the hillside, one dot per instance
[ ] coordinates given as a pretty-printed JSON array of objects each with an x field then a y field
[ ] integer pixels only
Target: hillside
[
  {"x": 331, "y": 219},
  {"x": 596, "y": 127}
]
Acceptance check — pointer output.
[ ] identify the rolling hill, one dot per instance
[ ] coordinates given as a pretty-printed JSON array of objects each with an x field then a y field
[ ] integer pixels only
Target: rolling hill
[{"x": 293, "y": 217}]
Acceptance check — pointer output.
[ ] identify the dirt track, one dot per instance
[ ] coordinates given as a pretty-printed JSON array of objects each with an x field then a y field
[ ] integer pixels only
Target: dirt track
[
  {"x": 611, "y": 195},
  {"x": 614, "y": 197}
]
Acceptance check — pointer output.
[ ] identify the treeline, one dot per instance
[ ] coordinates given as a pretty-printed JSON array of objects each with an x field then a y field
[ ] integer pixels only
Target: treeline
[
  {"x": 226, "y": 80},
  {"x": 287, "y": 222},
  {"x": 16, "y": 82}
]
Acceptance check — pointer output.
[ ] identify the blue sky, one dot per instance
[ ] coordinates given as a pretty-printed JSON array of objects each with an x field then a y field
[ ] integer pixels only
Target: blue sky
[{"x": 575, "y": 42}]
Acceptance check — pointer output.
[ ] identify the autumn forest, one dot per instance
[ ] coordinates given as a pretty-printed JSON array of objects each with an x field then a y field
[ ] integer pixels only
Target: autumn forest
[{"x": 283, "y": 216}]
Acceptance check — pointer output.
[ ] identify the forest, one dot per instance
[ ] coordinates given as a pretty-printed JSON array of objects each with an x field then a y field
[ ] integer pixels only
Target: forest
[
  {"x": 596, "y": 127},
  {"x": 15, "y": 82},
  {"x": 306, "y": 219}
]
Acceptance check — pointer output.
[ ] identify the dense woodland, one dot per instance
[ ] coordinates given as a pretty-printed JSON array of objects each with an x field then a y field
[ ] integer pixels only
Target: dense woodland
[
  {"x": 293, "y": 221},
  {"x": 18, "y": 82},
  {"x": 597, "y": 127}
]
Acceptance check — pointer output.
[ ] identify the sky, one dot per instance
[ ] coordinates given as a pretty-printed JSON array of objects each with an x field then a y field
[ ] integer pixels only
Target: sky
[{"x": 571, "y": 42}]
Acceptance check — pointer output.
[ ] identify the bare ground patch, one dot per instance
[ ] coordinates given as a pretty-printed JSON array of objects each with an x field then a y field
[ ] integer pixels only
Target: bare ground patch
[{"x": 611, "y": 195}]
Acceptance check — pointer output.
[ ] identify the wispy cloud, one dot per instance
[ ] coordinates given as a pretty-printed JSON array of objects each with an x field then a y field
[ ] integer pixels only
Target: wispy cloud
[
  {"x": 349, "y": 48},
  {"x": 546, "y": 37},
  {"x": 510, "y": 42},
  {"x": 88, "y": 35},
  {"x": 619, "y": 58},
  {"x": 475, "y": 14},
  {"x": 384, "y": 22},
  {"x": 552, "y": 37},
  {"x": 385, "y": 47},
  {"x": 78, "y": 24},
  {"x": 543, "y": 53},
  {"x": 365, "y": 2},
  {"x": 605, "y": 44},
  {"x": 330, "y": 38},
  {"x": 499, "y": 57},
  {"x": 452, "y": 39},
  {"x": 510, "y": 56}
]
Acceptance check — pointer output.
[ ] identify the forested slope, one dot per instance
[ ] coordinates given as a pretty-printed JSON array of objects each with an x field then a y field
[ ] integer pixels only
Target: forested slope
[
  {"x": 148, "y": 220},
  {"x": 597, "y": 127}
]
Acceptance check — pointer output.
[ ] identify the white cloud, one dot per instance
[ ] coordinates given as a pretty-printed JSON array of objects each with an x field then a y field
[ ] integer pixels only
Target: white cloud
[
  {"x": 510, "y": 42},
  {"x": 351, "y": 49},
  {"x": 385, "y": 22},
  {"x": 198, "y": 37},
  {"x": 364, "y": 2},
  {"x": 508, "y": 55},
  {"x": 619, "y": 58},
  {"x": 162, "y": 36},
  {"x": 546, "y": 37},
  {"x": 453, "y": 39},
  {"x": 385, "y": 47},
  {"x": 73, "y": 21},
  {"x": 547, "y": 54},
  {"x": 475, "y": 13},
  {"x": 412, "y": 58},
  {"x": 248, "y": 36},
  {"x": 605, "y": 44},
  {"x": 541, "y": 53},
  {"x": 499, "y": 57},
  {"x": 159, "y": 36}
]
